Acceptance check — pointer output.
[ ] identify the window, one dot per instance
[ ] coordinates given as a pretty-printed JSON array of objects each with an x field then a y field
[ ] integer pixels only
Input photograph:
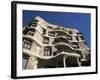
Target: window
[
  {"x": 69, "y": 37},
  {"x": 77, "y": 38},
  {"x": 34, "y": 24},
  {"x": 47, "y": 51},
  {"x": 45, "y": 40},
  {"x": 44, "y": 31},
  {"x": 25, "y": 61},
  {"x": 26, "y": 44},
  {"x": 81, "y": 37},
  {"x": 70, "y": 32},
  {"x": 75, "y": 45},
  {"x": 30, "y": 33}
]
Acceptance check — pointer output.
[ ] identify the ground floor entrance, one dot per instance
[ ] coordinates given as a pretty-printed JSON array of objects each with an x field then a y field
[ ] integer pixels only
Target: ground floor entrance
[{"x": 57, "y": 62}]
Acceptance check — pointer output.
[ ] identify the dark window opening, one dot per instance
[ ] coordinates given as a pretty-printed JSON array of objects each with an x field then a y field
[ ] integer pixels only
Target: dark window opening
[
  {"x": 70, "y": 32},
  {"x": 85, "y": 43},
  {"x": 44, "y": 31},
  {"x": 82, "y": 38},
  {"x": 34, "y": 24},
  {"x": 47, "y": 66},
  {"x": 75, "y": 45},
  {"x": 31, "y": 33},
  {"x": 45, "y": 40},
  {"x": 77, "y": 38}
]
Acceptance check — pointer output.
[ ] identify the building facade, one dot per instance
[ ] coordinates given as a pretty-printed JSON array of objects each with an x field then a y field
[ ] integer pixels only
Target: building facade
[{"x": 47, "y": 45}]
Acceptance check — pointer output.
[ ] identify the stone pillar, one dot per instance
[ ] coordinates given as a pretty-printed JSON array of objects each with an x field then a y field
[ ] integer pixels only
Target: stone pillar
[
  {"x": 64, "y": 61},
  {"x": 32, "y": 63},
  {"x": 78, "y": 62}
]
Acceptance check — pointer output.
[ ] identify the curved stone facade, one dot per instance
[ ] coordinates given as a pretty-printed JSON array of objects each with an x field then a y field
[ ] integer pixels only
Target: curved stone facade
[{"x": 50, "y": 46}]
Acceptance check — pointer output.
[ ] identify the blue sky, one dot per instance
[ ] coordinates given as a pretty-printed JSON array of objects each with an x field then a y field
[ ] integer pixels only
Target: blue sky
[{"x": 80, "y": 21}]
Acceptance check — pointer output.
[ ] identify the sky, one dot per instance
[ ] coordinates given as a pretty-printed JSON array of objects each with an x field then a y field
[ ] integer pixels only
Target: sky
[{"x": 80, "y": 21}]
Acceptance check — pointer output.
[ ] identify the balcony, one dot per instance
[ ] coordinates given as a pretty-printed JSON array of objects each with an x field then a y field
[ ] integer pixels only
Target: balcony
[
  {"x": 75, "y": 45},
  {"x": 27, "y": 29},
  {"x": 63, "y": 48},
  {"x": 52, "y": 34},
  {"x": 61, "y": 39},
  {"x": 58, "y": 30}
]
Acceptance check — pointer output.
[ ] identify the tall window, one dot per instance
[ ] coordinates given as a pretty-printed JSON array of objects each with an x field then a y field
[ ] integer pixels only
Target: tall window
[
  {"x": 47, "y": 51},
  {"x": 44, "y": 31},
  {"x": 77, "y": 38},
  {"x": 27, "y": 44},
  {"x": 25, "y": 61}
]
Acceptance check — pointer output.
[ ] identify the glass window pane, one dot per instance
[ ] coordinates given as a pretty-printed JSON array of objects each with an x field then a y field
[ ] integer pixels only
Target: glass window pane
[{"x": 24, "y": 62}]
